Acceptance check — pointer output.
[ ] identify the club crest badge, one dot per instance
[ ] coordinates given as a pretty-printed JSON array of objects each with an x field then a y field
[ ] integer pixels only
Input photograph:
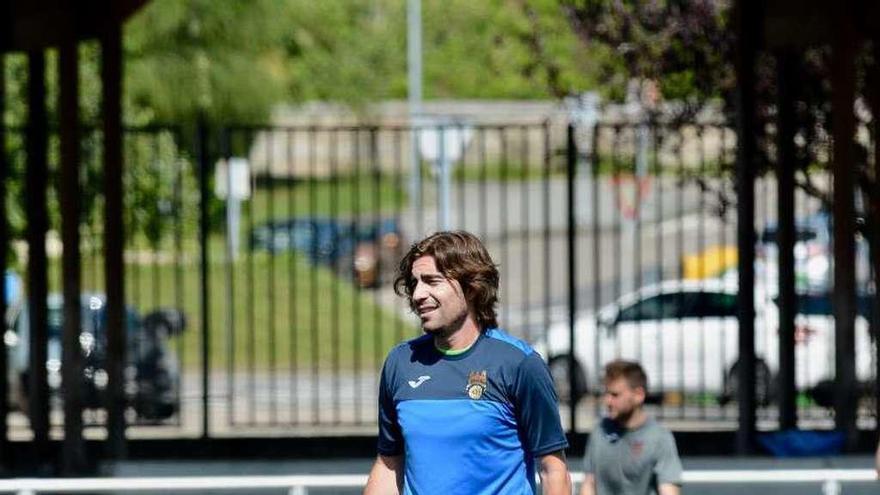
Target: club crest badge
[{"x": 476, "y": 384}]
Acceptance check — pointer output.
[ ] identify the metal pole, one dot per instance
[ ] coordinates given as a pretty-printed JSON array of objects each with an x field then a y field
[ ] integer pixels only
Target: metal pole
[
  {"x": 844, "y": 294},
  {"x": 571, "y": 158},
  {"x": 202, "y": 158},
  {"x": 4, "y": 242},
  {"x": 414, "y": 92},
  {"x": 786, "y": 239},
  {"x": 114, "y": 235},
  {"x": 73, "y": 453},
  {"x": 443, "y": 179},
  {"x": 746, "y": 50},
  {"x": 37, "y": 224}
]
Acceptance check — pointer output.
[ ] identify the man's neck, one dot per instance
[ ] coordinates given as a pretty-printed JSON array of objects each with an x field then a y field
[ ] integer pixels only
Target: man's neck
[
  {"x": 460, "y": 339},
  {"x": 635, "y": 420}
]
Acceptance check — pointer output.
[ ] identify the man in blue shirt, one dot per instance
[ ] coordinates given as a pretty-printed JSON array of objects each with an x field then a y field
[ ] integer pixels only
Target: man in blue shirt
[{"x": 464, "y": 408}]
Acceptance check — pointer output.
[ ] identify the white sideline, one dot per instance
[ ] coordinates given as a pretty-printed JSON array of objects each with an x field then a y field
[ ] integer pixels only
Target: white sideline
[{"x": 300, "y": 483}]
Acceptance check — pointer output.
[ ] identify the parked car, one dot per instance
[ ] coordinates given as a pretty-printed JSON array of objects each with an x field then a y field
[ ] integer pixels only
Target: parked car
[
  {"x": 151, "y": 371},
  {"x": 814, "y": 327},
  {"x": 685, "y": 334},
  {"x": 366, "y": 250}
]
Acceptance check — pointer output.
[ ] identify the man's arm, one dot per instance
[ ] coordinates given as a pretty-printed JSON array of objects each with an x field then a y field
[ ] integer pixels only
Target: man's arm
[
  {"x": 668, "y": 489},
  {"x": 386, "y": 477},
  {"x": 554, "y": 474},
  {"x": 588, "y": 487},
  {"x": 877, "y": 460}
]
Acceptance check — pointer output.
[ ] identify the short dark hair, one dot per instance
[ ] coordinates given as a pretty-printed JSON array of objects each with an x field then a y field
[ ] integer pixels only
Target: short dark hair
[
  {"x": 631, "y": 371},
  {"x": 460, "y": 256}
]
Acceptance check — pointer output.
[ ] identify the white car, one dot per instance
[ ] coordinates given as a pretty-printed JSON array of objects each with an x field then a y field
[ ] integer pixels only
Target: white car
[{"x": 685, "y": 335}]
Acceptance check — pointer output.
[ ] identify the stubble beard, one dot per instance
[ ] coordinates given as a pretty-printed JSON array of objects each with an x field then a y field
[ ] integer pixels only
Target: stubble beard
[{"x": 446, "y": 331}]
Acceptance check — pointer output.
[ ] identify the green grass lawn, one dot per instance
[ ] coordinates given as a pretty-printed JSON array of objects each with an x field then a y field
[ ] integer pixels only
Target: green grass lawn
[{"x": 285, "y": 312}]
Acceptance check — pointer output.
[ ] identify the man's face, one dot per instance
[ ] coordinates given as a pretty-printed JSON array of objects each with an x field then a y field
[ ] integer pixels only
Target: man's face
[
  {"x": 621, "y": 400},
  {"x": 438, "y": 301}
]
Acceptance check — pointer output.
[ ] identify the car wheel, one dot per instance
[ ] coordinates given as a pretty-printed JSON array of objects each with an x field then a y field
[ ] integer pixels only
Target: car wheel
[
  {"x": 559, "y": 372},
  {"x": 764, "y": 392}
]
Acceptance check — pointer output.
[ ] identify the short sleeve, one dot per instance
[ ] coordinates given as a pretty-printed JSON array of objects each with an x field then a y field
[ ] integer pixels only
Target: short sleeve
[
  {"x": 537, "y": 408},
  {"x": 668, "y": 467},
  {"x": 390, "y": 440}
]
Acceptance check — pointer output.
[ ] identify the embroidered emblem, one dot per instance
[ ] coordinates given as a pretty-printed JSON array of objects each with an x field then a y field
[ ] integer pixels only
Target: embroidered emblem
[
  {"x": 636, "y": 448},
  {"x": 476, "y": 384},
  {"x": 422, "y": 379}
]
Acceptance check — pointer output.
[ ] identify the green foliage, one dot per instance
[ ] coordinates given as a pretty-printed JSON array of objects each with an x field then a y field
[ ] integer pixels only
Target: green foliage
[{"x": 185, "y": 57}]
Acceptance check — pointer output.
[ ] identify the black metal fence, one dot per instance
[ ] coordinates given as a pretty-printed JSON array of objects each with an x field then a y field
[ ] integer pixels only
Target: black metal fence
[{"x": 306, "y": 225}]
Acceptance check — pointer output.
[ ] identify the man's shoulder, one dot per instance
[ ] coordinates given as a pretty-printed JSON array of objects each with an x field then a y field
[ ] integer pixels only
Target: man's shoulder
[
  {"x": 408, "y": 347},
  {"x": 500, "y": 339},
  {"x": 654, "y": 428},
  {"x": 408, "y": 352}
]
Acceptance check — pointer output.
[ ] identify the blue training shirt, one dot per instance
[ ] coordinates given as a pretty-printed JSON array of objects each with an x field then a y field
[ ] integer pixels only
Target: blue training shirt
[{"x": 470, "y": 423}]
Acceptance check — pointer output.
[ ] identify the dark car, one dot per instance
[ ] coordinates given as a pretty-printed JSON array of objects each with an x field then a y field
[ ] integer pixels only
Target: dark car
[
  {"x": 367, "y": 249},
  {"x": 152, "y": 374}
]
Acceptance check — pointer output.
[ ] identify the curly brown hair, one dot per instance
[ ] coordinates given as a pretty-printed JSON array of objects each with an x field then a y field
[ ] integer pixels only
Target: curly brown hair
[{"x": 459, "y": 256}]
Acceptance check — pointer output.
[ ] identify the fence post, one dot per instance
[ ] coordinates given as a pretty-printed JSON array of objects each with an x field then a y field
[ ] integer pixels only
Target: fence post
[
  {"x": 202, "y": 158},
  {"x": 571, "y": 159}
]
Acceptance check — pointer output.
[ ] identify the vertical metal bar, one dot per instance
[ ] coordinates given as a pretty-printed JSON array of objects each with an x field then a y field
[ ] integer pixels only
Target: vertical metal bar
[
  {"x": 250, "y": 348},
  {"x": 746, "y": 20},
  {"x": 639, "y": 172},
  {"x": 843, "y": 80},
  {"x": 356, "y": 228},
  {"x": 462, "y": 170},
  {"x": 503, "y": 223},
  {"x": 313, "y": 281},
  {"x": 484, "y": 211},
  {"x": 37, "y": 224},
  {"x": 204, "y": 275},
  {"x": 597, "y": 263},
  {"x": 335, "y": 342},
  {"x": 73, "y": 458},
  {"x": 379, "y": 245},
  {"x": 5, "y": 457},
  {"x": 270, "y": 280},
  {"x": 524, "y": 232},
  {"x": 293, "y": 279},
  {"x": 722, "y": 160},
  {"x": 114, "y": 234},
  {"x": 133, "y": 241},
  {"x": 442, "y": 169},
  {"x": 617, "y": 264},
  {"x": 701, "y": 250},
  {"x": 658, "y": 246},
  {"x": 156, "y": 241},
  {"x": 875, "y": 233},
  {"x": 399, "y": 188},
  {"x": 178, "y": 260},
  {"x": 226, "y": 152},
  {"x": 545, "y": 179},
  {"x": 786, "y": 237},
  {"x": 571, "y": 170},
  {"x": 679, "y": 250},
  {"x": 418, "y": 184}
]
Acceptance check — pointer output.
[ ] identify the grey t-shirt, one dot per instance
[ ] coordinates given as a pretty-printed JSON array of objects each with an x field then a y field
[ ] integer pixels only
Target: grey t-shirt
[{"x": 632, "y": 462}]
